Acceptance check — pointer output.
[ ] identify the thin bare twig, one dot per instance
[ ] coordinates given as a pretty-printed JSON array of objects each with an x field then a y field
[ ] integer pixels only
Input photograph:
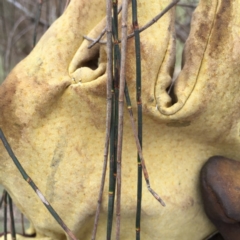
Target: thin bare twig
[
  {"x": 109, "y": 110},
  {"x": 97, "y": 39},
  {"x": 139, "y": 149},
  {"x": 135, "y": 26},
  {"x": 120, "y": 113}
]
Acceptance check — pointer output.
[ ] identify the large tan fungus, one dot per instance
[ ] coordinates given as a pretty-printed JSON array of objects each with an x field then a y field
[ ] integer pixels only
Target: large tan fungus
[{"x": 53, "y": 107}]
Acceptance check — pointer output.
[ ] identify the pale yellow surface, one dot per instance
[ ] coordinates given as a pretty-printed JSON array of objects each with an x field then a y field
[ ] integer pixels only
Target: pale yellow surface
[{"x": 53, "y": 114}]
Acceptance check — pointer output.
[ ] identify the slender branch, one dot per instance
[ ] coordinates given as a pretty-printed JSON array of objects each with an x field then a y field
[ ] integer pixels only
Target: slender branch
[
  {"x": 139, "y": 112},
  {"x": 112, "y": 174},
  {"x": 109, "y": 111},
  {"x": 149, "y": 24},
  {"x": 114, "y": 121},
  {"x": 93, "y": 40},
  {"x": 120, "y": 113},
  {"x": 5, "y": 216},
  {"x": 34, "y": 187},
  {"x": 144, "y": 168},
  {"x": 13, "y": 230}
]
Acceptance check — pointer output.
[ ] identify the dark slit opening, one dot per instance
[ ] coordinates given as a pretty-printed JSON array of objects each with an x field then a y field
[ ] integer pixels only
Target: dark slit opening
[{"x": 184, "y": 13}]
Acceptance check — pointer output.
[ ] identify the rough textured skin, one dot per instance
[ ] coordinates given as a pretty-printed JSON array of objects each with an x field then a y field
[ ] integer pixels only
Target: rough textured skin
[{"x": 56, "y": 124}]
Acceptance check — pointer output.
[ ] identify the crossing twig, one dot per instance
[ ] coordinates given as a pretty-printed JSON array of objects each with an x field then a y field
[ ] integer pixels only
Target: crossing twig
[
  {"x": 150, "y": 23},
  {"x": 101, "y": 34}
]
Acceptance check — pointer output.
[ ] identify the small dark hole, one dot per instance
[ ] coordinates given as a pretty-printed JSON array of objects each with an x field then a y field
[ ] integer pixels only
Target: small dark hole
[
  {"x": 173, "y": 96},
  {"x": 92, "y": 63},
  {"x": 182, "y": 26}
]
